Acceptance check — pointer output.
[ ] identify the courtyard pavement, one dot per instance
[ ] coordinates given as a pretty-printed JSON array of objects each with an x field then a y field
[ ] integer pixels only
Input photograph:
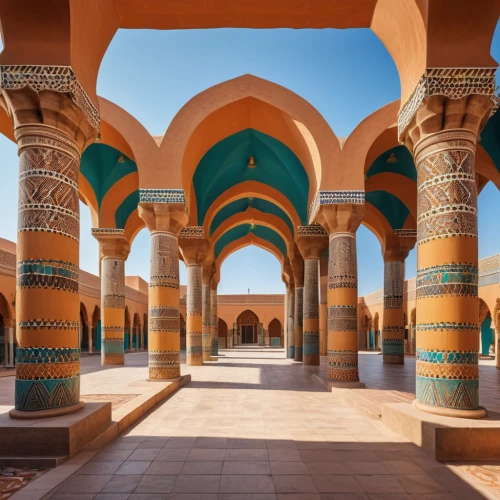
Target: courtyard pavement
[{"x": 253, "y": 426}]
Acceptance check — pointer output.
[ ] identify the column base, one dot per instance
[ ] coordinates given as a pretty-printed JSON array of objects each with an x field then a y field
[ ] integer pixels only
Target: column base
[
  {"x": 393, "y": 360},
  {"x": 54, "y": 412},
  {"x": 194, "y": 362},
  {"x": 113, "y": 361},
  {"x": 176, "y": 379},
  {"x": 337, "y": 384},
  {"x": 311, "y": 360},
  {"x": 298, "y": 354},
  {"x": 450, "y": 412}
]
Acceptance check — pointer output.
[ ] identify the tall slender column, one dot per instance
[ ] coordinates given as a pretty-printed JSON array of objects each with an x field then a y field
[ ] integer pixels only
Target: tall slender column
[
  {"x": 164, "y": 212},
  {"x": 447, "y": 275},
  {"x": 215, "y": 319},
  {"x": 341, "y": 220},
  {"x": 311, "y": 242},
  {"x": 206, "y": 332},
  {"x": 51, "y": 131},
  {"x": 290, "y": 331},
  {"x": 195, "y": 249},
  {"x": 113, "y": 251},
  {"x": 298, "y": 275},
  {"x": 323, "y": 287},
  {"x": 393, "y": 329},
  {"x": 194, "y": 318},
  {"x": 9, "y": 344}
]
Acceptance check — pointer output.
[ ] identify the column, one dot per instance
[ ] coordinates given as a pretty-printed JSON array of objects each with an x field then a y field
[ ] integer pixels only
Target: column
[
  {"x": 340, "y": 213},
  {"x": 290, "y": 310},
  {"x": 113, "y": 251},
  {"x": 194, "y": 248},
  {"x": 207, "y": 313},
  {"x": 164, "y": 212},
  {"x": 393, "y": 329},
  {"x": 311, "y": 242},
  {"x": 9, "y": 344},
  {"x": 215, "y": 319},
  {"x": 447, "y": 276},
  {"x": 323, "y": 330},
  {"x": 298, "y": 274},
  {"x": 51, "y": 131}
]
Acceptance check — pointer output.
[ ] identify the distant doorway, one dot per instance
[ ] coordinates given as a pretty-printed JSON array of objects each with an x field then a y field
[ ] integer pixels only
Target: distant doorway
[{"x": 247, "y": 334}]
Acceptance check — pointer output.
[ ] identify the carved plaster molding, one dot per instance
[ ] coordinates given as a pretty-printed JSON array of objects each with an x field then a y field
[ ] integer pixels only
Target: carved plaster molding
[
  {"x": 405, "y": 233},
  {"x": 101, "y": 232},
  {"x": 311, "y": 230},
  {"x": 342, "y": 197},
  {"x": 192, "y": 232},
  {"x": 56, "y": 78},
  {"x": 162, "y": 196},
  {"x": 453, "y": 83}
]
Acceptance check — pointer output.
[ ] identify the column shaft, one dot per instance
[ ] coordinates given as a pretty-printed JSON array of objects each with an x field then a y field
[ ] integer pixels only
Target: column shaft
[
  {"x": 393, "y": 329},
  {"x": 194, "y": 352},
  {"x": 447, "y": 276},
  {"x": 48, "y": 306},
  {"x": 215, "y": 320},
  {"x": 342, "y": 308},
  {"x": 297, "y": 323},
  {"x": 290, "y": 331},
  {"x": 311, "y": 312},
  {"x": 112, "y": 311},
  {"x": 206, "y": 337},
  {"x": 164, "y": 300}
]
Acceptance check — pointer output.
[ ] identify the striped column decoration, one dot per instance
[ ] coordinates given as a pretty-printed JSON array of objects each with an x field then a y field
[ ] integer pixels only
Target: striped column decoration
[
  {"x": 48, "y": 305},
  {"x": 194, "y": 350},
  {"x": 290, "y": 331},
  {"x": 342, "y": 308},
  {"x": 298, "y": 317},
  {"x": 206, "y": 331},
  {"x": 393, "y": 329},
  {"x": 215, "y": 320},
  {"x": 447, "y": 276},
  {"x": 311, "y": 313},
  {"x": 164, "y": 337}
]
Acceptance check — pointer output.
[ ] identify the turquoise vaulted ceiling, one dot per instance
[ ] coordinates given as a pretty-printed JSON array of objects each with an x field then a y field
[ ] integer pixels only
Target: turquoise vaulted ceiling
[
  {"x": 391, "y": 207},
  {"x": 242, "y": 205},
  {"x": 226, "y": 164},
  {"x": 242, "y": 230},
  {"x": 404, "y": 164},
  {"x": 101, "y": 167}
]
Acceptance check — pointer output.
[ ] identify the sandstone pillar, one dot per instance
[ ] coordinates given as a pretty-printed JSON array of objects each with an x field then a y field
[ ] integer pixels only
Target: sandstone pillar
[
  {"x": 53, "y": 121},
  {"x": 215, "y": 319},
  {"x": 298, "y": 315},
  {"x": 207, "y": 312},
  {"x": 311, "y": 242},
  {"x": 440, "y": 124},
  {"x": 323, "y": 297},
  {"x": 113, "y": 252},
  {"x": 9, "y": 344},
  {"x": 194, "y": 248},
  {"x": 164, "y": 212},
  {"x": 340, "y": 213},
  {"x": 290, "y": 332}
]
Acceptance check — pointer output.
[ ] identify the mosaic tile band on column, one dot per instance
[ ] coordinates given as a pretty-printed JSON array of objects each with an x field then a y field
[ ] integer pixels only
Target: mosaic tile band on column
[
  {"x": 48, "y": 377},
  {"x": 311, "y": 313},
  {"x": 393, "y": 329},
  {"x": 164, "y": 301},
  {"x": 215, "y": 325},
  {"x": 342, "y": 308},
  {"x": 206, "y": 335},
  {"x": 447, "y": 322}
]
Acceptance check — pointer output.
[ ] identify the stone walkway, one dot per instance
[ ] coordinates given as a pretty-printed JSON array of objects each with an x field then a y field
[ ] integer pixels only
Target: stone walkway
[{"x": 253, "y": 426}]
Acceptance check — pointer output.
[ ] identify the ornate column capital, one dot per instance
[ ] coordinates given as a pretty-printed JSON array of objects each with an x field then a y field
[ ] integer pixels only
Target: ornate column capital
[
  {"x": 399, "y": 246},
  {"x": 163, "y": 210},
  {"x": 311, "y": 241},
  {"x": 112, "y": 243},
  {"x": 297, "y": 263},
  {"x": 194, "y": 247},
  {"x": 341, "y": 217},
  {"x": 50, "y": 96},
  {"x": 447, "y": 98}
]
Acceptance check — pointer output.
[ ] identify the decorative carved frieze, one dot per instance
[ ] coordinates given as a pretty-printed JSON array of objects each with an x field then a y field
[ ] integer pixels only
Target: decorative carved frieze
[{"x": 335, "y": 198}]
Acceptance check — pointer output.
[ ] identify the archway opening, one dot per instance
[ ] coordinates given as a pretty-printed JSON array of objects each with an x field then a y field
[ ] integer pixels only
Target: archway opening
[
  {"x": 275, "y": 333},
  {"x": 222, "y": 333},
  {"x": 248, "y": 323}
]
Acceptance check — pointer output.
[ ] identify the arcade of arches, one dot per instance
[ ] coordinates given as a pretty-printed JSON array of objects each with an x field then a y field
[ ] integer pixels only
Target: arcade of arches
[{"x": 249, "y": 162}]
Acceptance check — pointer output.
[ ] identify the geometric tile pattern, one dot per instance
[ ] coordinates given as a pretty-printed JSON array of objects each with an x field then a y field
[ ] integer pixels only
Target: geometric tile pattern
[
  {"x": 334, "y": 198},
  {"x": 290, "y": 329},
  {"x": 298, "y": 323},
  {"x": 343, "y": 366},
  {"x": 447, "y": 279},
  {"x": 311, "y": 312},
  {"x": 43, "y": 273},
  {"x": 206, "y": 333},
  {"x": 35, "y": 395},
  {"x": 194, "y": 350}
]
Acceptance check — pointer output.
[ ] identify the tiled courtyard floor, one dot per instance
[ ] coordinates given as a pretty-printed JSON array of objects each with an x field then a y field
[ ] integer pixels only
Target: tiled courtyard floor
[{"x": 253, "y": 426}]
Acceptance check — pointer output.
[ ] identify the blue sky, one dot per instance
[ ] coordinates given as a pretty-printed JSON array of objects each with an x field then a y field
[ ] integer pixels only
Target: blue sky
[{"x": 345, "y": 74}]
